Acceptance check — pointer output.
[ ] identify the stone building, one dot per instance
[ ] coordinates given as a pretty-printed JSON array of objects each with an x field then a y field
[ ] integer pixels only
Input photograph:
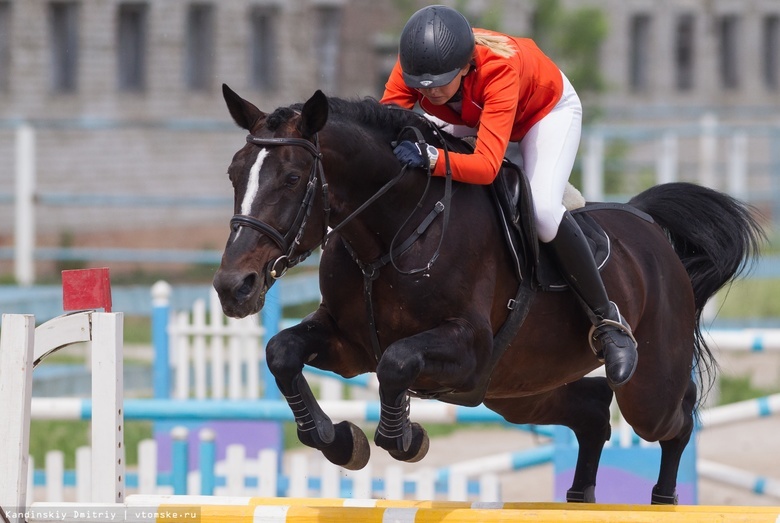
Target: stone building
[
  {"x": 678, "y": 58},
  {"x": 124, "y": 95}
]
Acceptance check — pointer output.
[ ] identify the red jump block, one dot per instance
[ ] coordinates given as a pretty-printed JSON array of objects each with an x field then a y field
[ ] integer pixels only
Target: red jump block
[{"x": 86, "y": 289}]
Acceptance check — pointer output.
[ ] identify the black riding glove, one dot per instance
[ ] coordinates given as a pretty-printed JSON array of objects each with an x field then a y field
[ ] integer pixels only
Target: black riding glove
[{"x": 409, "y": 153}]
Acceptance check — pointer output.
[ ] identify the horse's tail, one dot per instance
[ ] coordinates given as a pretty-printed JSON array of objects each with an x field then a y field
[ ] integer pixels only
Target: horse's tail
[{"x": 717, "y": 238}]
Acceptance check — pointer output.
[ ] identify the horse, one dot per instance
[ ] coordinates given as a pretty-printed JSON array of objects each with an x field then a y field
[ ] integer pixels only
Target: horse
[{"x": 417, "y": 284}]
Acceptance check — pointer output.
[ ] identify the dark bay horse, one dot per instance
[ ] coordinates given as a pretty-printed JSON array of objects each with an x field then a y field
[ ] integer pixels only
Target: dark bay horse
[{"x": 417, "y": 281}]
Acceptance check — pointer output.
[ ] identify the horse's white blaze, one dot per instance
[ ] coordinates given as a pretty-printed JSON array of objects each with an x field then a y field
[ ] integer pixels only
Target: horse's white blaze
[{"x": 253, "y": 184}]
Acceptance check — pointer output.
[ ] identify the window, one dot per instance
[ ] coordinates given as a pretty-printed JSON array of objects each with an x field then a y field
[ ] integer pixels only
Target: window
[
  {"x": 199, "y": 46},
  {"x": 131, "y": 46},
  {"x": 327, "y": 47},
  {"x": 771, "y": 51},
  {"x": 263, "y": 49},
  {"x": 5, "y": 45},
  {"x": 64, "y": 42},
  {"x": 728, "y": 52},
  {"x": 639, "y": 65},
  {"x": 684, "y": 52}
]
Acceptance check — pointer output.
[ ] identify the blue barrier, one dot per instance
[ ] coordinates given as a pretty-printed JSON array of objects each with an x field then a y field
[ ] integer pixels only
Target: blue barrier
[
  {"x": 272, "y": 318},
  {"x": 160, "y": 341},
  {"x": 268, "y": 410},
  {"x": 207, "y": 459}
]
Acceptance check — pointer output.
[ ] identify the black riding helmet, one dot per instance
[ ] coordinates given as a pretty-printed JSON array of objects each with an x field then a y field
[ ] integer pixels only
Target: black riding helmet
[{"x": 436, "y": 43}]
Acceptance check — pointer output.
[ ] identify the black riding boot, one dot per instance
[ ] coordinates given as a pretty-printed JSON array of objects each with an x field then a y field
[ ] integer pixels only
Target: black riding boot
[{"x": 610, "y": 338}]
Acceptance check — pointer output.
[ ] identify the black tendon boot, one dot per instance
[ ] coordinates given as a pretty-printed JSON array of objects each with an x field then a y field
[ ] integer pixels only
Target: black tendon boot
[{"x": 610, "y": 337}]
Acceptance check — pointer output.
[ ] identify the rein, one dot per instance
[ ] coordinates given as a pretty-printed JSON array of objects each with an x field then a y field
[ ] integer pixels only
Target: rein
[
  {"x": 292, "y": 238},
  {"x": 371, "y": 270}
]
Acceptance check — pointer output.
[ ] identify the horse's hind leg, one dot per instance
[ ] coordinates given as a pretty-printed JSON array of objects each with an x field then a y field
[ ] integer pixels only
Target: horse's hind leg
[
  {"x": 590, "y": 423},
  {"x": 583, "y": 406},
  {"x": 343, "y": 444},
  {"x": 665, "y": 491}
]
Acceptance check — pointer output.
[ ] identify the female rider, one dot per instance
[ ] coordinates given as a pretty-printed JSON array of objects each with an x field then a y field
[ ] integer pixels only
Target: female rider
[{"x": 511, "y": 93}]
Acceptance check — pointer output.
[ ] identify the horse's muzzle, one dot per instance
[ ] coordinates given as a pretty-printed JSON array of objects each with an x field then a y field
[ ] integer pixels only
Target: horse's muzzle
[{"x": 241, "y": 294}]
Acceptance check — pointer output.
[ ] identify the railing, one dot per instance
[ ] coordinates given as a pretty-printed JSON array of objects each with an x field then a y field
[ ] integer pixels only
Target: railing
[
  {"x": 742, "y": 160},
  {"x": 241, "y": 474}
]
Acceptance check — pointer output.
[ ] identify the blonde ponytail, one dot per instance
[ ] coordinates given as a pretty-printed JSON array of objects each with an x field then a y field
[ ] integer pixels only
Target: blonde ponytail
[{"x": 499, "y": 44}]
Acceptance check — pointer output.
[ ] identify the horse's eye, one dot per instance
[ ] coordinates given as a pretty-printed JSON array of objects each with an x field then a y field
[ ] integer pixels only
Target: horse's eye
[{"x": 291, "y": 180}]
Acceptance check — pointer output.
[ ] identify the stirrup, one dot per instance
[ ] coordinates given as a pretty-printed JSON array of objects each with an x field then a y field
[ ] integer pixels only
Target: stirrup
[{"x": 605, "y": 322}]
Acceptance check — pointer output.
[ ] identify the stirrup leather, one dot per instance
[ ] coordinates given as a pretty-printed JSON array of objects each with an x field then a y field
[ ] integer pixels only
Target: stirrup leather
[{"x": 609, "y": 323}]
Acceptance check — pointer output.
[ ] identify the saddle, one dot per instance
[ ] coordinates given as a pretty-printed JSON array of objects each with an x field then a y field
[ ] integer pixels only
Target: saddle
[
  {"x": 514, "y": 205},
  {"x": 511, "y": 194}
]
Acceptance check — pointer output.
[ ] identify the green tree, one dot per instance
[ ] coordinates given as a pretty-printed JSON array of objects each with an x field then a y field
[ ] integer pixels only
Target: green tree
[
  {"x": 488, "y": 18},
  {"x": 573, "y": 38}
]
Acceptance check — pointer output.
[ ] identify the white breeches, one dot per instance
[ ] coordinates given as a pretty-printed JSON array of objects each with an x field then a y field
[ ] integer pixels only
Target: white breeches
[{"x": 548, "y": 152}]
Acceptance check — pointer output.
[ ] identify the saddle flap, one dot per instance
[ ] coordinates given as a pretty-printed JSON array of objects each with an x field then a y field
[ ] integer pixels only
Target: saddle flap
[
  {"x": 549, "y": 277},
  {"x": 512, "y": 195}
]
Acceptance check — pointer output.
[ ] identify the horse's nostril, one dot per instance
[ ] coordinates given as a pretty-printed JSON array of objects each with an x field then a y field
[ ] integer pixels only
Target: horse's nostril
[{"x": 247, "y": 286}]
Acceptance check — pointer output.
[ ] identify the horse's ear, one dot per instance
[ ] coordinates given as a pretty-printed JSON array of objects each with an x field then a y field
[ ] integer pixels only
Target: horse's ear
[
  {"x": 244, "y": 113},
  {"x": 314, "y": 114}
]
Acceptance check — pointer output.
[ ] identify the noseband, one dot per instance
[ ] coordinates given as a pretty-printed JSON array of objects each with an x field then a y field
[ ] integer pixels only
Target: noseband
[{"x": 292, "y": 238}]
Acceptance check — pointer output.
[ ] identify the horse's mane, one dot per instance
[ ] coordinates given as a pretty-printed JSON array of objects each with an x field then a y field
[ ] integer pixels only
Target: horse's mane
[
  {"x": 371, "y": 113},
  {"x": 367, "y": 112}
]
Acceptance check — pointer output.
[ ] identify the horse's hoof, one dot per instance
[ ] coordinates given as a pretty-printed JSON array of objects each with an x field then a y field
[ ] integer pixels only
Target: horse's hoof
[
  {"x": 588, "y": 495},
  {"x": 350, "y": 448},
  {"x": 662, "y": 499},
  {"x": 417, "y": 449}
]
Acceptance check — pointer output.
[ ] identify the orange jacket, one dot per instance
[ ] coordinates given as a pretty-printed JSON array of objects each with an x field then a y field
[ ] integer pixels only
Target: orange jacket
[{"x": 503, "y": 97}]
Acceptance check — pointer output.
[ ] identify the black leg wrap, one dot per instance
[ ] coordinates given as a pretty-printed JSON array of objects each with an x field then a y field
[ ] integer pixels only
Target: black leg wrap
[
  {"x": 661, "y": 499},
  {"x": 394, "y": 426},
  {"x": 405, "y": 441},
  {"x": 418, "y": 448},
  {"x": 581, "y": 496},
  {"x": 315, "y": 429}
]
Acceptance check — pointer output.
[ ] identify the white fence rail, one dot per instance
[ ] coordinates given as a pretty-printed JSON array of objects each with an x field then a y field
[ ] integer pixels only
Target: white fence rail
[
  {"x": 239, "y": 474},
  {"x": 214, "y": 356}
]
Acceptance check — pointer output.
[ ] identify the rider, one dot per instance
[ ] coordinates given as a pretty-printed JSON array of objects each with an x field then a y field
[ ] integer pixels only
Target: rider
[{"x": 510, "y": 92}]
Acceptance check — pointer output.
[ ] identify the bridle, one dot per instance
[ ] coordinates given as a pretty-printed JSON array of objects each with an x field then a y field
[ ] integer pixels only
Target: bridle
[
  {"x": 292, "y": 238},
  {"x": 288, "y": 241}
]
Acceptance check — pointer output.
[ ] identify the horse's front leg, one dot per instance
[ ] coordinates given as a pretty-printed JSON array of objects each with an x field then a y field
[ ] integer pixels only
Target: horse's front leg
[
  {"x": 445, "y": 356},
  {"x": 343, "y": 444}
]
